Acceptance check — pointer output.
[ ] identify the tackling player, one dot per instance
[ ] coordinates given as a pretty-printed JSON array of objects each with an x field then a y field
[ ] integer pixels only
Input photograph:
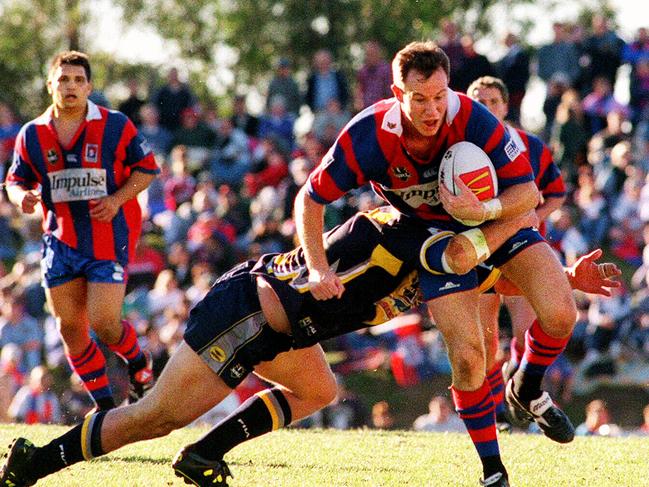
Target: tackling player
[
  {"x": 396, "y": 145},
  {"x": 493, "y": 94},
  {"x": 85, "y": 165}
]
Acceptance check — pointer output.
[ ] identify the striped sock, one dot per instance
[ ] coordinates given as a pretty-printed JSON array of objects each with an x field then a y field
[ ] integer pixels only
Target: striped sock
[
  {"x": 495, "y": 379},
  {"x": 541, "y": 350},
  {"x": 476, "y": 408},
  {"x": 128, "y": 348},
  {"x": 90, "y": 365},
  {"x": 264, "y": 412}
]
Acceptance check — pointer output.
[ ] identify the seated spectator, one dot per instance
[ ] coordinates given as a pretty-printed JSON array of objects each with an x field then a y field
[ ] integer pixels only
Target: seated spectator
[
  {"x": 277, "y": 124},
  {"x": 165, "y": 293},
  {"x": 382, "y": 417},
  {"x": 440, "y": 418},
  {"x": 11, "y": 379},
  {"x": 180, "y": 187},
  {"x": 35, "y": 403},
  {"x": 17, "y": 327},
  {"x": 328, "y": 123},
  {"x": 598, "y": 421},
  {"x": 242, "y": 119},
  {"x": 158, "y": 137},
  {"x": 593, "y": 209},
  {"x": 197, "y": 137},
  {"x": 564, "y": 236},
  {"x": 599, "y": 103},
  {"x": 269, "y": 172},
  {"x": 232, "y": 157}
]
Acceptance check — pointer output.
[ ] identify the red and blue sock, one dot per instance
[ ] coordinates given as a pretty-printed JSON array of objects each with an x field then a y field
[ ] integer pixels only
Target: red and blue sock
[
  {"x": 497, "y": 385},
  {"x": 128, "y": 348},
  {"x": 90, "y": 365}
]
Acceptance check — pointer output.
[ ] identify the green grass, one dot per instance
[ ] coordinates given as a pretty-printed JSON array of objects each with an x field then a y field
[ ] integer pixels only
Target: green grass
[{"x": 367, "y": 458}]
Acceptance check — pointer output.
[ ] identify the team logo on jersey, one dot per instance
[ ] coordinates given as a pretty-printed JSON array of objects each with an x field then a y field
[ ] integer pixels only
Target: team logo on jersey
[
  {"x": 392, "y": 125},
  {"x": 146, "y": 148},
  {"x": 52, "y": 156},
  {"x": 307, "y": 325},
  {"x": 401, "y": 173},
  {"x": 217, "y": 353},
  {"x": 512, "y": 150},
  {"x": 237, "y": 371},
  {"x": 72, "y": 158},
  {"x": 92, "y": 150}
]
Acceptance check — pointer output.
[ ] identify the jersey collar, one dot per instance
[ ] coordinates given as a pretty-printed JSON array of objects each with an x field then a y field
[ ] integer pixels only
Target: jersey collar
[
  {"x": 46, "y": 118},
  {"x": 392, "y": 119}
]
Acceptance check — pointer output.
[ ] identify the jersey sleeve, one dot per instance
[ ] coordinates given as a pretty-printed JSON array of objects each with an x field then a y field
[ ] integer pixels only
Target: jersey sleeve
[
  {"x": 549, "y": 180},
  {"x": 484, "y": 130},
  {"x": 139, "y": 155},
  {"x": 22, "y": 172}
]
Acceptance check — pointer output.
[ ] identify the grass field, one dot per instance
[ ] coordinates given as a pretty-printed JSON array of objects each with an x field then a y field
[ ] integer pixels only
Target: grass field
[{"x": 300, "y": 458}]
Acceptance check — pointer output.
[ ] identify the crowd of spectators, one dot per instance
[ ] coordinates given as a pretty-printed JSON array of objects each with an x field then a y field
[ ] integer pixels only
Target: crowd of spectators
[{"x": 226, "y": 189}]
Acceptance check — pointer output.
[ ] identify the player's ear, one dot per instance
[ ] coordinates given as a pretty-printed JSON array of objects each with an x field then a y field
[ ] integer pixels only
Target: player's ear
[
  {"x": 398, "y": 92},
  {"x": 49, "y": 86}
]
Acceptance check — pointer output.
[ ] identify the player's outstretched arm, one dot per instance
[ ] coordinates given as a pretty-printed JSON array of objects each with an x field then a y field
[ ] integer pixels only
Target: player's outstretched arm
[{"x": 24, "y": 199}]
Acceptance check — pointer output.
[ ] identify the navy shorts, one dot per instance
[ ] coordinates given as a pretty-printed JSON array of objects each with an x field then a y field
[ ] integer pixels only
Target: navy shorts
[
  {"x": 228, "y": 330},
  {"x": 61, "y": 263}
]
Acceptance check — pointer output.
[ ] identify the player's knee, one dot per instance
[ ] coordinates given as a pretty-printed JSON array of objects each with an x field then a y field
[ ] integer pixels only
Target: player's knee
[
  {"x": 560, "y": 318},
  {"x": 327, "y": 392},
  {"x": 458, "y": 259},
  {"x": 468, "y": 364}
]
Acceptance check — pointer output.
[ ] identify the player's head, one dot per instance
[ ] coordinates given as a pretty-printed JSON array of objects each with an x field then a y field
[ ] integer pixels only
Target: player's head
[
  {"x": 420, "y": 74},
  {"x": 68, "y": 80},
  {"x": 492, "y": 93}
]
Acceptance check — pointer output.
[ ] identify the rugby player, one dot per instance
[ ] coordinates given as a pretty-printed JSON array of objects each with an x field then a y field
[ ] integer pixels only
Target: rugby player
[
  {"x": 396, "y": 145},
  {"x": 493, "y": 94},
  {"x": 260, "y": 317},
  {"x": 85, "y": 165}
]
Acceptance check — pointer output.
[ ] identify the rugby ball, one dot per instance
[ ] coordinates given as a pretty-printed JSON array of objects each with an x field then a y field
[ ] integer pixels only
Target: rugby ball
[{"x": 473, "y": 166}]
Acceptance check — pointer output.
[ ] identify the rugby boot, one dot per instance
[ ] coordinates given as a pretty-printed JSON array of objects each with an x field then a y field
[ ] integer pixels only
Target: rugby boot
[
  {"x": 141, "y": 381},
  {"x": 498, "y": 479},
  {"x": 553, "y": 421},
  {"x": 16, "y": 470},
  {"x": 196, "y": 470}
]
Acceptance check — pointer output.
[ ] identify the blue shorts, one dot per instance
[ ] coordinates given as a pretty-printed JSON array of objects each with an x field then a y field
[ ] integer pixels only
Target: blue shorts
[
  {"x": 228, "y": 330},
  {"x": 61, "y": 263}
]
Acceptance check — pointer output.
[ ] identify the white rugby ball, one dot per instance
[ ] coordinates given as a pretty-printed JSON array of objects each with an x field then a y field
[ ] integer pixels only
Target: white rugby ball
[{"x": 473, "y": 166}]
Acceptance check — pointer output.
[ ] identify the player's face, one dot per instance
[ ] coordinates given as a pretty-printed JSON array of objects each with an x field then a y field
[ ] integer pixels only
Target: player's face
[
  {"x": 424, "y": 100},
  {"x": 69, "y": 87},
  {"x": 492, "y": 99}
]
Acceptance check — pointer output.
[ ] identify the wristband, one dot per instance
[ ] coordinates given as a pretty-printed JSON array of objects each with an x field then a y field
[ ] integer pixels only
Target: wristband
[
  {"x": 493, "y": 208},
  {"x": 479, "y": 242}
]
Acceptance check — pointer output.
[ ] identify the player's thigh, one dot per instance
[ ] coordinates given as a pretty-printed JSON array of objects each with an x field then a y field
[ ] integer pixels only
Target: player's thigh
[
  {"x": 489, "y": 314},
  {"x": 537, "y": 272},
  {"x": 186, "y": 389},
  {"x": 304, "y": 372},
  {"x": 521, "y": 313},
  {"x": 67, "y": 302},
  {"x": 105, "y": 302}
]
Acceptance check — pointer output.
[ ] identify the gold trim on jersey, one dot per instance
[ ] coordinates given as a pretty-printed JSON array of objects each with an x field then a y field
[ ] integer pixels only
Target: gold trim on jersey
[{"x": 428, "y": 243}]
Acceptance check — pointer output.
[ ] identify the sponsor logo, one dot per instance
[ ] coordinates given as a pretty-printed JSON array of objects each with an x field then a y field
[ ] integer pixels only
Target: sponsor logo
[
  {"x": 401, "y": 173},
  {"x": 62, "y": 454},
  {"x": 512, "y": 150},
  {"x": 244, "y": 427},
  {"x": 77, "y": 184},
  {"x": 417, "y": 195},
  {"x": 540, "y": 407},
  {"x": 146, "y": 148},
  {"x": 52, "y": 156},
  {"x": 449, "y": 285},
  {"x": 118, "y": 272},
  {"x": 217, "y": 353},
  {"x": 307, "y": 325},
  {"x": 516, "y": 245},
  {"x": 72, "y": 158},
  {"x": 237, "y": 371},
  {"x": 92, "y": 150}
]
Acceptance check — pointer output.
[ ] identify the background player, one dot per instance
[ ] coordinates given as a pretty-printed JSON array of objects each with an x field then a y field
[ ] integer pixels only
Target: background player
[
  {"x": 493, "y": 94},
  {"x": 85, "y": 165},
  {"x": 379, "y": 271},
  {"x": 397, "y": 145}
]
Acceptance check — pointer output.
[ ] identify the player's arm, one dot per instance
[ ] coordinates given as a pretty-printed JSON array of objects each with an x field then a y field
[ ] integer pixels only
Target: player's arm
[
  {"x": 21, "y": 179},
  {"x": 105, "y": 209},
  {"x": 309, "y": 217},
  {"x": 23, "y": 198}
]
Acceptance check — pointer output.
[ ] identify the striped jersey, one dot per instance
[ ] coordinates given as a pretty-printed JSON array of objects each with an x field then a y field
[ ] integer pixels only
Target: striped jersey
[
  {"x": 99, "y": 159},
  {"x": 371, "y": 149}
]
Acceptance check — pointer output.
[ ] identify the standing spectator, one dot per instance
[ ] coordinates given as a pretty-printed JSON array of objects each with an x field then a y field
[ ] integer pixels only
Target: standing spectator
[
  {"x": 474, "y": 65},
  {"x": 440, "y": 418},
  {"x": 603, "y": 50},
  {"x": 17, "y": 327},
  {"x": 242, "y": 119},
  {"x": 374, "y": 79},
  {"x": 285, "y": 86},
  {"x": 450, "y": 42},
  {"x": 197, "y": 137},
  {"x": 231, "y": 159},
  {"x": 637, "y": 55},
  {"x": 557, "y": 86},
  {"x": 598, "y": 421},
  {"x": 172, "y": 99},
  {"x": 131, "y": 106},
  {"x": 277, "y": 125},
  {"x": 561, "y": 56},
  {"x": 158, "y": 137},
  {"x": 328, "y": 123},
  {"x": 35, "y": 403},
  {"x": 90, "y": 230},
  {"x": 569, "y": 137},
  {"x": 514, "y": 70},
  {"x": 325, "y": 82}
]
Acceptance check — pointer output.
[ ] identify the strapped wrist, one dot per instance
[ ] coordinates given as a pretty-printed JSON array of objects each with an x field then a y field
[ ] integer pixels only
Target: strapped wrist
[{"x": 493, "y": 209}]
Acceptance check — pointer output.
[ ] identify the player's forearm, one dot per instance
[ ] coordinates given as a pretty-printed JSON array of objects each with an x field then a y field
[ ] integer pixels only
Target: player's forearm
[
  {"x": 518, "y": 199},
  {"x": 309, "y": 217},
  {"x": 137, "y": 182},
  {"x": 15, "y": 193},
  {"x": 548, "y": 206}
]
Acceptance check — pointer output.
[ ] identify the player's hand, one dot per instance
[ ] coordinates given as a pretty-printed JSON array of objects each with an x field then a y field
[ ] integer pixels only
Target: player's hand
[
  {"x": 104, "y": 209},
  {"x": 325, "y": 285},
  {"x": 465, "y": 205},
  {"x": 590, "y": 277},
  {"x": 30, "y": 199}
]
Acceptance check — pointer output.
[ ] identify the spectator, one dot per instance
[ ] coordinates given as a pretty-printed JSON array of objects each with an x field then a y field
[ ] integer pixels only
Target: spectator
[
  {"x": 242, "y": 119},
  {"x": 132, "y": 105},
  {"x": 325, "y": 82},
  {"x": 346, "y": 412},
  {"x": 171, "y": 99},
  {"x": 17, "y": 327},
  {"x": 474, "y": 65},
  {"x": 564, "y": 236},
  {"x": 560, "y": 57},
  {"x": 603, "y": 51},
  {"x": 328, "y": 123},
  {"x": 11, "y": 378},
  {"x": 514, "y": 70},
  {"x": 374, "y": 78},
  {"x": 569, "y": 137},
  {"x": 283, "y": 85},
  {"x": 158, "y": 137},
  {"x": 450, "y": 41},
  {"x": 165, "y": 293},
  {"x": 593, "y": 209},
  {"x": 382, "y": 417},
  {"x": 34, "y": 403},
  {"x": 598, "y": 421},
  {"x": 180, "y": 187},
  {"x": 440, "y": 418},
  {"x": 277, "y": 125},
  {"x": 197, "y": 137},
  {"x": 146, "y": 264},
  {"x": 231, "y": 158},
  {"x": 643, "y": 429},
  {"x": 556, "y": 87},
  {"x": 599, "y": 103}
]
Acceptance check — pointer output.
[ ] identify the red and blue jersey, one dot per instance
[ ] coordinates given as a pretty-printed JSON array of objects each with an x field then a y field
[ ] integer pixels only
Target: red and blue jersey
[
  {"x": 371, "y": 149},
  {"x": 99, "y": 159}
]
